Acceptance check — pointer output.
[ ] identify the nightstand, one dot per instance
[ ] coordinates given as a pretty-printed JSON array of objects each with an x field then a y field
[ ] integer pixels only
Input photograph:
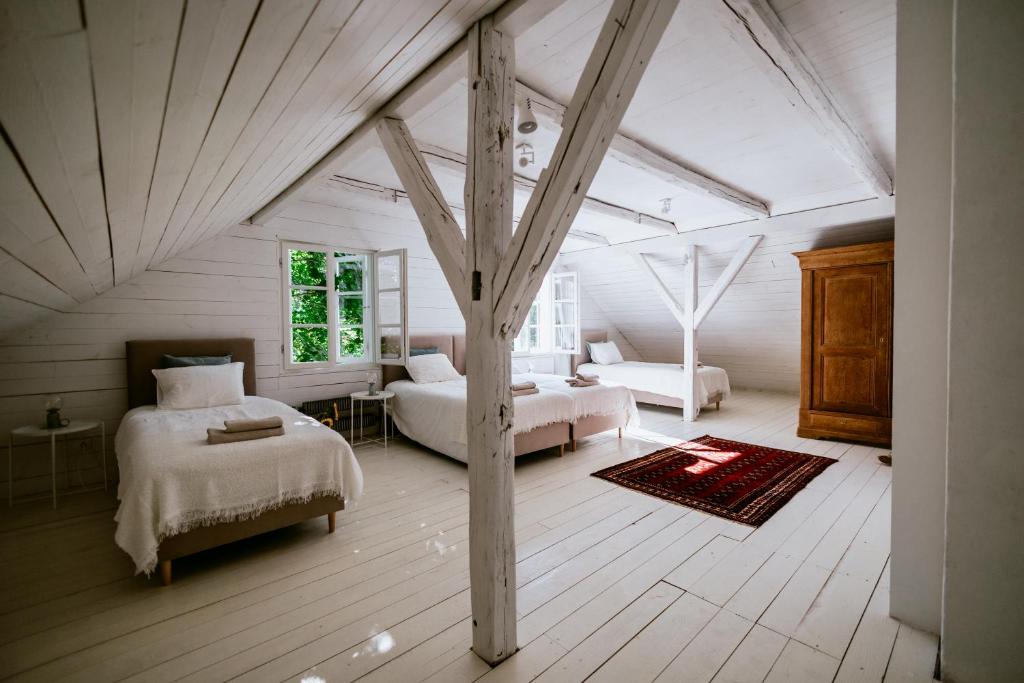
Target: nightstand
[
  {"x": 36, "y": 432},
  {"x": 381, "y": 397}
]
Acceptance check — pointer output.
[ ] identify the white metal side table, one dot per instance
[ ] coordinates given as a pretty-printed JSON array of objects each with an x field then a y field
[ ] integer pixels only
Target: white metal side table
[
  {"x": 382, "y": 397},
  {"x": 36, "y": 432}
]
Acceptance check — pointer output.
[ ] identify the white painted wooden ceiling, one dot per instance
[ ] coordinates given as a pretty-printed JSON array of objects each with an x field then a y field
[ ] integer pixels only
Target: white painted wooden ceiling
[{"x": 134, "y": 130}]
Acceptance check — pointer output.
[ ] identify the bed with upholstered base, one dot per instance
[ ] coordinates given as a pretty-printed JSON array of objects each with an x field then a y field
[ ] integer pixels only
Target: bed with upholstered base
[
  {"x": 145, "y": 355},
  {"x": 715, "y": 394},
  {"x": 554, "y": 435}
]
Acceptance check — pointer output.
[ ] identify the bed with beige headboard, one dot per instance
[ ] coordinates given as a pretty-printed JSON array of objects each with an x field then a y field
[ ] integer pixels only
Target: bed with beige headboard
[
  {"x": 142, "y": 357},
  {"x": 597, "y": 336},
  {"x": 454, "y": 346}
]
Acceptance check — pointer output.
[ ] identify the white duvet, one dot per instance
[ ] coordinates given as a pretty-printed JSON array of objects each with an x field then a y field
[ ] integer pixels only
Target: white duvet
[
  {"x": 173, "y": 481},
  {"x": 607, "y": 398},
  {"x": 434, "y": 414},
  {"x": 665, "y": 379}
]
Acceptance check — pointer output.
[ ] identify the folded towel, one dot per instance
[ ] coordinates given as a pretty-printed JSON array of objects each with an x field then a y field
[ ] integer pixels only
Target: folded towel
[
  {"x": 573, "y": 382},
  {"x": 232, "y": 426},
  {"x": 587, "y": 376},
  {"x": 217, "y": 436},
  {"x": 525, "y": 392},
  {"x": 520, "y": 386}
]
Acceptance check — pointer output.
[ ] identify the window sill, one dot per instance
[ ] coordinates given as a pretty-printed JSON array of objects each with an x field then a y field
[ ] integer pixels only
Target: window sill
[{"x": 341, "y": 367}]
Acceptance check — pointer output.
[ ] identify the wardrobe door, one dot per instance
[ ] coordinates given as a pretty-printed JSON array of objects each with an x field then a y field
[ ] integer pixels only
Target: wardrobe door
[{"x": 850, "y": 345}]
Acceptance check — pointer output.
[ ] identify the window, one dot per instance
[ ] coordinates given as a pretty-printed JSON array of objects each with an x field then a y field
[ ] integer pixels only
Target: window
[
  {"x": 330, "y": 306},
  {"x": 552, "y": 325}
]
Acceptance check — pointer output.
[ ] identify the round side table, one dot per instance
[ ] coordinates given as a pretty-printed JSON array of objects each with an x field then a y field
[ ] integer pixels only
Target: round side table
[
  {"x": 382, "y": 397},
  {"x": 36, "y": 432}
]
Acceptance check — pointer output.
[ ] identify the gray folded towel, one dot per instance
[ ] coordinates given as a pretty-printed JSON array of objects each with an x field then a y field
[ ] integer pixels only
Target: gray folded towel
[
  {"x": 525, "y": 392},
  {"x": 522, "y": 386},
  {"x": 587, "y": 376},
  {"x": 573, "y": 382},
  {"x": 232, "y": 426},
  {"x": 218, "y": 436}
]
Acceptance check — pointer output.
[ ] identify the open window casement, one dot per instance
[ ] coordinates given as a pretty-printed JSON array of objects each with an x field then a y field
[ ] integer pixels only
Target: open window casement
[
  {"x": 565, "y": 305},
  {"x": 391, "y": 309}
]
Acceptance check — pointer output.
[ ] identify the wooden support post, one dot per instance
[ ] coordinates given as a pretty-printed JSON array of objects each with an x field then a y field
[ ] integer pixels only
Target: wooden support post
[
  {"x": 691, "y": 407},
  {"x": 677, "y": 310},
  {"x": 739, "y": 259},
  {"x": 489, "y": 193}
]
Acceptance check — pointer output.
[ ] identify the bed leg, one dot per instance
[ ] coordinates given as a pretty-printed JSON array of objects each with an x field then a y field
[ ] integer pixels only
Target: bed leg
[
  {"x": 620, "y": 432},
  {"x": 561, "y": 450},
  {"x": 330, "y": 522},
  {"x": 165, "y": 572},
  {"x": 572, "y": 445},
  {"x": 718, "y": 405}
]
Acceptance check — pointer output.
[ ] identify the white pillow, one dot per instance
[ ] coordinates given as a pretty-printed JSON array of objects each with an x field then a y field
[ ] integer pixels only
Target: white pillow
[
  {"x": 605, "y": 353},
  {"x": 431, "y": 367},
  {"x": 201, "y": 386}
]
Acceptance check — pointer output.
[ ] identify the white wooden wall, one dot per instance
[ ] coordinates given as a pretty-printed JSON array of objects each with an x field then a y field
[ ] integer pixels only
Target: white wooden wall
[
  {"x": 227, "y": 286},
  {"x": 754, "y": 330}
]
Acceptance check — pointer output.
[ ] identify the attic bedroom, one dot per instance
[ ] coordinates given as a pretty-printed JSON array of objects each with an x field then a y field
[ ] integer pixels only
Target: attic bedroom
[{"x": 458, "y": 340}]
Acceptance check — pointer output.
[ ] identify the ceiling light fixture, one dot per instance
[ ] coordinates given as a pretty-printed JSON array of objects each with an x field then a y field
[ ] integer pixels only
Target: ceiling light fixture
[
  {"x": 666, "y": 205},
  {"x": 525, "y": 150},
  {"x": 527, "y": 121}
]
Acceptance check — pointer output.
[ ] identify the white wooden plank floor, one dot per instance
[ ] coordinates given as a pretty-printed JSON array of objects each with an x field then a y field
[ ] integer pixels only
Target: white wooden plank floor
[{"x": 613, "y": 585}]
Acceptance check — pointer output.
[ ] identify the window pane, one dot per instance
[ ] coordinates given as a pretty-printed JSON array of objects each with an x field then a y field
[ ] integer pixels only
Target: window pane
[
  {"x": 534, "y": 317},
  {"x": 350, "y": 310},
  {"x": 351, "y": 343},
  {"x": 309, "y": 344},
  {"x": 390, "y": 308},
  {"x": 391, "y": 343},
  {"x": 309, "y": 306},
  {"x": 389, "y": 275},
  {"x": 349, "y": 277},
  {"x": 565, "y": 288},
  {"x": 534, "y": 337},
  {"x": 308, "y": 268},
  {"x": 565, "y": 339},
  {"x": 565, "y": 314}
]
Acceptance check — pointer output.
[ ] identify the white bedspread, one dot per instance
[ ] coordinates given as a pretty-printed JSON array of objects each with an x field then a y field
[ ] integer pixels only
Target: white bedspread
[
  {"x": 434, "y": 414},
  {"x": 665, "y": 379},
  {"x": 607, "y": 398},
  {"x": 173, "y": 481}
]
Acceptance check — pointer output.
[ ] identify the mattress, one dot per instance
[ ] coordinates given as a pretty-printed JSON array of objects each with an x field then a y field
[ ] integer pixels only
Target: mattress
[
  {"x": 665, "y": 379},
  {"x": 607, "y": 398},
  {"x": 173, "y": 481},
  {"x": 434, "y": 414}
]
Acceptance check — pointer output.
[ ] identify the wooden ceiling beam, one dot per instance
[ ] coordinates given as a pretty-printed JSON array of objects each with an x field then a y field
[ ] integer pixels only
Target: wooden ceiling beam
[
  {"x": 641, "y": 157},
  {"x": 620, "y": 56},
  {"x": 512, "y": 18},
  {"x": 456, "y": 163},
  {"x": 755, "y": 26}
]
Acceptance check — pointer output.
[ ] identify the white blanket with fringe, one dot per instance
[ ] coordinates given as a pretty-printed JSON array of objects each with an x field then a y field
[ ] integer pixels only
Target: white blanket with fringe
[
  {"x": 434, "y": 414},
  {"x": 173, "y": 481},
  {"x": 607, "y": 398}
]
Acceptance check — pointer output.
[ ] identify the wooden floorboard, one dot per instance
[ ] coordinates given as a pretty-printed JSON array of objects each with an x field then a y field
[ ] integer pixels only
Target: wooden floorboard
[{"x": 613, "y": 585}]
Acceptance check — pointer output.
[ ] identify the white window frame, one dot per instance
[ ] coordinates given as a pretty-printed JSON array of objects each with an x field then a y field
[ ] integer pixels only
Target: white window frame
[
  {"x": 334, "y": 361},
  {"x": 575, "y": 301},
  {"x": 545, "y": 302},
  {"x": 403, "y": 289}
]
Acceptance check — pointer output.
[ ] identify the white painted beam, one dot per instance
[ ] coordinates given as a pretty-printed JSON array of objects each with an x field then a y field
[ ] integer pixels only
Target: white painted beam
[
  {"x": 618, "y": 60},
  {"x": 513, "y": 17},
  {"x": 489, "y": 192},
  {"x": 456, "y": 163},
  {"x": 677, "y": 309},
  {"x": 632, "y": 153},
  {"x": 443, "y": 234},
  {"x": 739, "y": 259},
  {"x": 691, "y": 405},
  {"x": 754, "y": 25}
]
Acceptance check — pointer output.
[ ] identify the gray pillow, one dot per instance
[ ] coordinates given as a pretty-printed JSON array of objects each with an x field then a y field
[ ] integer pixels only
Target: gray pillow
[
  {"x": 169, "y": 361},
  {"x": 423, "y": 350}
]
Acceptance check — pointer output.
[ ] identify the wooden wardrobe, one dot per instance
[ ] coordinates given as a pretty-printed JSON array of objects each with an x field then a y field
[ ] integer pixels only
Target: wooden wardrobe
[{"x": 846, "y": 364}]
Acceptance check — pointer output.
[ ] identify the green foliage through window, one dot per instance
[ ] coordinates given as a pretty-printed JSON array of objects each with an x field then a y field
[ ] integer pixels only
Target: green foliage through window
[{"x": 309, "y": 305}]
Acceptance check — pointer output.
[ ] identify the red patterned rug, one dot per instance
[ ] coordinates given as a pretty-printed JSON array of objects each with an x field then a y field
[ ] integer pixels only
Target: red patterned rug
[{"x": 739, "y": 481}]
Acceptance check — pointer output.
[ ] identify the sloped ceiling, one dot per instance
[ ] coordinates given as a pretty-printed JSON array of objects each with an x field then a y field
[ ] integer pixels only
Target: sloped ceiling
[{"x": 134, "y": 129}]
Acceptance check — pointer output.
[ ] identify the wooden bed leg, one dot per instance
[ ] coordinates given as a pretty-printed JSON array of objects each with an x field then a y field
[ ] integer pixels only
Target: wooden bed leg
[
  {"x": 330, "y": 522},
  {"x": 561, "y": 450},
  {"x": 165, "y": 572},
  {"x": 718, "y": 405},
  {"x": 572, "y": 445},
  {"x": 620, "y": 432}
]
